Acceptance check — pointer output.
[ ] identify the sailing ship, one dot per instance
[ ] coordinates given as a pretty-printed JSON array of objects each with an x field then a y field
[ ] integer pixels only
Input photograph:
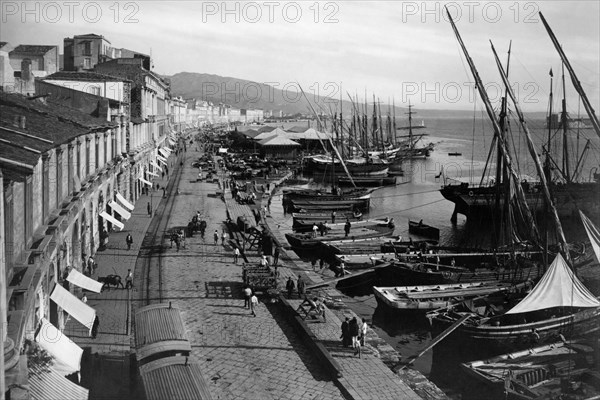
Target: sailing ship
[
  {"x": 558, "y": 305},
  {"x": 570, "y": 191}
]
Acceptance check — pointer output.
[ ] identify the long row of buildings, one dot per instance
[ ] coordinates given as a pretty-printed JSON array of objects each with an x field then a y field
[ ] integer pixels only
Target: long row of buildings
[{"x": 77, "y": 148}]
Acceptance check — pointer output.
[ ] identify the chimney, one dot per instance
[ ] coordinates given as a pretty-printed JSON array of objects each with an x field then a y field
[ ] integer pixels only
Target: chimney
[{"x": 22, "y": 122}]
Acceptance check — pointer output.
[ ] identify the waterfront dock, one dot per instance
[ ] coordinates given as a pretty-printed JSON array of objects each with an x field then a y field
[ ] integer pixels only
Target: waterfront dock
[{"x": 273, "y": 355}]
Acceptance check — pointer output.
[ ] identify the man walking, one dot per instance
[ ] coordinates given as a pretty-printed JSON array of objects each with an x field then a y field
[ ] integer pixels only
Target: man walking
[
  {"x": 276, "y": 255},
  {"x": 149, "y": 210},
  {"x": 129, "y": 241},
  {"x": 253, "y": 304},
  {"x": 236, "y": 255},
  {"x": 247, "y": 295},
  {"x": 129, "y": 280},
  {"x": 216, "y": 237},
  {"x": 345, "y": 332},
  {"x": 347, "y": 227},
  {"x": 333, "y": 217},
  {"x": 223, "y": 237}
]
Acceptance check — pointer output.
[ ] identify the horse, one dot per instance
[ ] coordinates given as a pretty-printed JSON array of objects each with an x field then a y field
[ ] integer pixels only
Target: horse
[{"x": 109, "y": 280}]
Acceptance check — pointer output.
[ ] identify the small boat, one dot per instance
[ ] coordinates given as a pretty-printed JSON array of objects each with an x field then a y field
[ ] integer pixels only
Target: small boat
[
  {"x": 455, "y": 154},
  {"x": 431, "y": 297},
  {"x": 548, "y": 372},
  {"x": 301, "y": 225},
  {"x": 326, "y": 216},
  {"x": 421, "y": 229},
  {"x": 363, "y": 261},
  {"x": 306, "y": 240}
]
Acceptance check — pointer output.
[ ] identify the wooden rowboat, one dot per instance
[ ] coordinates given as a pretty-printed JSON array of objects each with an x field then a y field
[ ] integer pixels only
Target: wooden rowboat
[{"x": 421, "y": 229}]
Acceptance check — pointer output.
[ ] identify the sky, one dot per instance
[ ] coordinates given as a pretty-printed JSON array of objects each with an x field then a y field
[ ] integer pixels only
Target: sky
[{"x": 400, "y": 50}]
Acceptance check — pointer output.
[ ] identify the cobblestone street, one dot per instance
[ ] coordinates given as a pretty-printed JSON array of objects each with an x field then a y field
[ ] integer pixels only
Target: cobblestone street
[{"x": 242, "y": 357}]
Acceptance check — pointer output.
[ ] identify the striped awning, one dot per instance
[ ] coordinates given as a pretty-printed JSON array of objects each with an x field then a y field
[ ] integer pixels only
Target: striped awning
[
  {"x": 73, "y": 306},
  {"x": 112, "y": 220},
  {"x": 79, "y": 279},
  {"x": 145, "y": 181},
  {"x": 122, "y": 212},
  {"x": 155, "y": 165},
  {"x": 66, "y": 353},
  {"x": 161, "y": 159},
  {"x": 125, "y": 203},
  {"x": 164, "y": 153}
]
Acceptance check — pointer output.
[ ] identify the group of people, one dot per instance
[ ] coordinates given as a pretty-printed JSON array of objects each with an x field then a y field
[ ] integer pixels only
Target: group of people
[
  {"x": 354, "y": 334},
  {"x": 290, "y": 286},
  {"x": 250, "y": 300}
]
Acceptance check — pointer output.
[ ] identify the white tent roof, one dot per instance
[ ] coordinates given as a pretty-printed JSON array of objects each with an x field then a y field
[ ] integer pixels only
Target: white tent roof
[
  {"x": 278, "y": 141},
  {"x": 264, "y": 135},
  {"x": 558, "y": 287}
]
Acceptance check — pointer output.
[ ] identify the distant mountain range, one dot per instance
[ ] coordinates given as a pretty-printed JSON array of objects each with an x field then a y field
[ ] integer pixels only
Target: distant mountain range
[{"x": 246, "y": 94}]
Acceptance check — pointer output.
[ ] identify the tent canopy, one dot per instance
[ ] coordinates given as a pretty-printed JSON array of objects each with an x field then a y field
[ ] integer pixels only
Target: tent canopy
[
  {"x": 278, "y": 141},
  {"x": 64, "y": 350},
  {"x": 592, "y": 233},
  {"x": 559, "y": 287}
]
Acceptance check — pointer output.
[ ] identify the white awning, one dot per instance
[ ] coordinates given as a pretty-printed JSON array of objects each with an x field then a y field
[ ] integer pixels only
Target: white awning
[
  {"x": 155, "y": 165},
  {"x": 172, "y": 142},
  {"x": 122, "y": 212},
  {"x": 66, "y": 353},
  {"x": 112, "y": 220},
  {"x": 163, "y": 152},
  {"x": 145, "y": 181},
  {"x": 125, "y": 203},
  {"x": 79, "y": 279},
  {"x": 152, "y": 173},
  {"x": 161, "y": 159},
  {"x": 73, "y": 306}
]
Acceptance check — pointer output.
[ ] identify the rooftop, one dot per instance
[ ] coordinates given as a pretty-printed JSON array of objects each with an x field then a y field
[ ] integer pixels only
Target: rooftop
[
  {"x": 33, "y": 49},
  {"x": 83, "y": 76}
]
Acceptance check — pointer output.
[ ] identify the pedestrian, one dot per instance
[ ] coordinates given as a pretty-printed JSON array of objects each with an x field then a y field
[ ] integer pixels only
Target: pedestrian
[
  {"x": 247, "y": 294},
  {"x": 84, "y": 299},
  {"x": 315, "y": 229},
  {"x": 290, "y": 287},
  {"x": 354, "y": 331},
  {"x": 363, "y": 331},
  {"x": 95, "y": 327},
  {"x": 276, "y": 255},
  {"x": 301, "y": 287},
  {"x": 149, "y": 209},
  {"x": 91, "y": 265},
  {"x": 129, "y": 241},
  {"x": 216, "y": 237},
  {"x": 236, "y": 255},
  {"x": 164, "y": 192},
  {"x": 129, "y": 280},
  {"x": 321, "y": 228},
  {"x": 346, "y": 338},
  {"x": 333, "y": 217},
  {"x": 263, "y": 261},
  {"x": 347, "y": 227},
  {"x": 223, "y": 237},
  {"x": 253, "y": 304}
]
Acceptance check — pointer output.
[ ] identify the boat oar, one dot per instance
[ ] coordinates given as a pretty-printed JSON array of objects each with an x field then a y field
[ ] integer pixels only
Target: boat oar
[{"x": 435, "y": 341}]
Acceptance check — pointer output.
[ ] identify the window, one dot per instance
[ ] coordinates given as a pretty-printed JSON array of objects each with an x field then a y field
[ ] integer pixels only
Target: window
[
  {"x": 8, "y": 227},
  {"x": 95, "y": 90},
  {"x": 70, "y": 170},
  {"x": 97, "y": 154},
  {"x": 87, "y": 157},
  {"x": 59, "y": 177},
  {"x": 87, "y": 48},
  {"x": 87, "y": 63}
]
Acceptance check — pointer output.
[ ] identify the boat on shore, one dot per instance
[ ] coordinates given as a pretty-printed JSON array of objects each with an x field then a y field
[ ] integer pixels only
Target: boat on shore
[
  {"x": 543, "y": 372},
  {"x": 421, "y": 229},
  {"x": 359, "y": 166},
  {"x": 310, "y": 199},
  {"x": 431, "y": 297}
]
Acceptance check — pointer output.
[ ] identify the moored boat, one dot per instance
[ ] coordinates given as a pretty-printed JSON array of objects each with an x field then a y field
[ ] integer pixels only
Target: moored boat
[
  {"x": 421, "y": 229},
  {"x": 363, "y": 261},
  {"x": 540, "y": 372},
  {"x": 368, "y": 181},
  {"x": 431, "y": 297},
  {"x": 301, "y": 225},
  {"x": 307, "y": 240},
  {"x": 559, "y": 304}
]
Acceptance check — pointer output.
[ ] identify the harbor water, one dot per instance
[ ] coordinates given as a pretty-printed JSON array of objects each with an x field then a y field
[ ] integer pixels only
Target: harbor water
[{"x": 461, "y": 150}]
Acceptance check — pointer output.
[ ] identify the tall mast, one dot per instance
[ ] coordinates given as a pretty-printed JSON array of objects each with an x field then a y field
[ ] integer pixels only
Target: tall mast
[
  {"x": 565, "y": 126},
  {"x": 549, "y": 145},
  {"x": 492, "y": 116},
  {"x": 536, "y": 160},
  {"x": 574, "y": 80},
  {"x": 380, "y": 128},
  {"x": 394, "y": 121}
]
